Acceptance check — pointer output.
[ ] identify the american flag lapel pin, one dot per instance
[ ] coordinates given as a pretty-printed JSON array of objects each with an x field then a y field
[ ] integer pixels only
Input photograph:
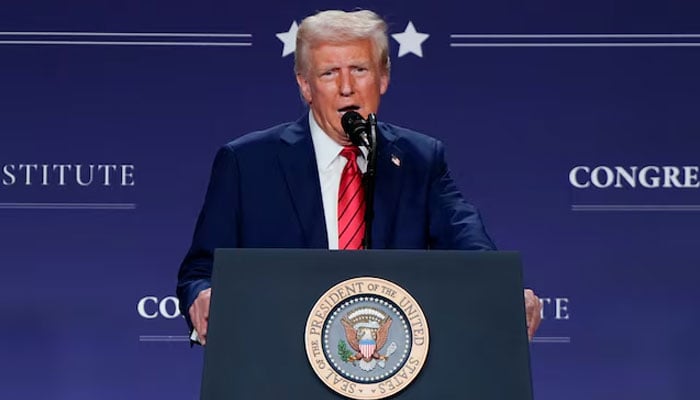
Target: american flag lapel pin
[{"x": 395, "y": 160}]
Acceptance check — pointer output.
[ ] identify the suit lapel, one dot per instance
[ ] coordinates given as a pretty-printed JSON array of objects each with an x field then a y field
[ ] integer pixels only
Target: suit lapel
[
  {"x": 388, "y": 187},
  {"x": 298, "y": 163}
]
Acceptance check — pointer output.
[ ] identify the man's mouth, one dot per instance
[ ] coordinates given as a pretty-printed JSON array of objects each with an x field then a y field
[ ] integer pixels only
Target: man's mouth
[{"x": 345, "y": 109}]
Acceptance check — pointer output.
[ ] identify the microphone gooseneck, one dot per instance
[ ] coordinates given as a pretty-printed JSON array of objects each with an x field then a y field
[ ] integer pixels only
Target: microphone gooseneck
[{"x": 363, "y": 132}]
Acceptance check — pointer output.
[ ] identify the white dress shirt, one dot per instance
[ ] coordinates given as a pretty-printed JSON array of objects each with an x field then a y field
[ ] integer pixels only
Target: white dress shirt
[{"x": 330, "y": 168}]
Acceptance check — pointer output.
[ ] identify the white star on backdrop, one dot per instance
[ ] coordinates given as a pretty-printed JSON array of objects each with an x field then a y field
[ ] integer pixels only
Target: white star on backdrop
[
  {"x": 289, "y": 39},
  {"x": 410, "y": 40}
]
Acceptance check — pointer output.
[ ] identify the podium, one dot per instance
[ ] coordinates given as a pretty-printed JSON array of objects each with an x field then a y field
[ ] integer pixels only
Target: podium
[{"x": 262, "y": 313}]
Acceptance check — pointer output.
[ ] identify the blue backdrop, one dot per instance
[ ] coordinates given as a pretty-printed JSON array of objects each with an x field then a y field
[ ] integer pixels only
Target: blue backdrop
[{"x": 147, "y": 91}]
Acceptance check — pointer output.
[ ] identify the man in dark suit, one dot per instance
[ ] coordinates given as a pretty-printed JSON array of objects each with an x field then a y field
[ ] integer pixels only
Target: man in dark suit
[{"x": 295, "y": 185}]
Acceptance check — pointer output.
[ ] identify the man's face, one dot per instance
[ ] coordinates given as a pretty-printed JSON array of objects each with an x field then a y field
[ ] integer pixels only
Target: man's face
[{"x": 340, "y": 78}]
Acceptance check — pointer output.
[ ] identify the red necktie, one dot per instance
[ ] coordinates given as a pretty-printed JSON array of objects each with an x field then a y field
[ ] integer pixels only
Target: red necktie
[{"x": 351, "y": 203}]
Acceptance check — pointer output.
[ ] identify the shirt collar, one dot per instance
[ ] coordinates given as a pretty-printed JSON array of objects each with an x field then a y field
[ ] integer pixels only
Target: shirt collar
[{"x": 326, "y": 149}]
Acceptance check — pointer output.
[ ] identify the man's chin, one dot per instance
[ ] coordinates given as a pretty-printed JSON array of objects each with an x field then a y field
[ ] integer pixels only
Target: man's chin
[{"x": 340, "y": 138}]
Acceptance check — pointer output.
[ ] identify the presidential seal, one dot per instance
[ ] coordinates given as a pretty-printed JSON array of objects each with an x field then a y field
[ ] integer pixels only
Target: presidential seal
[{"x": 366, "y": 338}]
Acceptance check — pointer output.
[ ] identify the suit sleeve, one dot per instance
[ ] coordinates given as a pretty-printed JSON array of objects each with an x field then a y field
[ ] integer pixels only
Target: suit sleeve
[
  {"x": 454, "y": 224},
  {"x": 217, "y": 227}
]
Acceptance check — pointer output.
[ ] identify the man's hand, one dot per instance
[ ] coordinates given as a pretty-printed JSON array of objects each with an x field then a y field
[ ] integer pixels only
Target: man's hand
[
  {"x": 533, "y": 312},
  {"x": 199, "y": 314}
]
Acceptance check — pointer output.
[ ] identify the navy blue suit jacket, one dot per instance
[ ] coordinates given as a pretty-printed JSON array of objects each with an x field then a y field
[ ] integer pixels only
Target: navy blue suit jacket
[{"x": 264, "y": 192}]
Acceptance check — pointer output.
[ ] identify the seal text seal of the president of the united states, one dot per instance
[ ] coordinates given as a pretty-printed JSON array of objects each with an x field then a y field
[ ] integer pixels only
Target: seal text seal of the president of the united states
[{"x": 367, "y": 338}]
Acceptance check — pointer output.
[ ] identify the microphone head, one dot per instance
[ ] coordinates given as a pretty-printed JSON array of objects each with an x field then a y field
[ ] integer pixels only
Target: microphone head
[{"x": 354, "y": 126}]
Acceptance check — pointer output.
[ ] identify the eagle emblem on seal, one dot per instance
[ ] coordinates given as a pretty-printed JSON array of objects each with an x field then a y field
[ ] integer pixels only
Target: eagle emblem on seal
[{"x": 367, "y": 331}]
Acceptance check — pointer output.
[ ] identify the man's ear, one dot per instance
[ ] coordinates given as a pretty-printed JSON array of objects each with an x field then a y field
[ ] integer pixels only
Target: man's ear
[
  {"x": 304, "y": 88},
  {"x": 383, "y": 83}
]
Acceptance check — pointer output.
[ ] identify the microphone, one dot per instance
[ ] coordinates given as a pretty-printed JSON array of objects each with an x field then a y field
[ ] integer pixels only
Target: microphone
[
  {"x": 356, "y": 128},
  {"x": 363, "y": 132}
]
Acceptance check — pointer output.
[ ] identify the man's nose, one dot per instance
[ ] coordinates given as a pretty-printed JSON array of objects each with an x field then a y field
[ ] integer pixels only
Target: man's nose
[{"x": 347, "y": 84}]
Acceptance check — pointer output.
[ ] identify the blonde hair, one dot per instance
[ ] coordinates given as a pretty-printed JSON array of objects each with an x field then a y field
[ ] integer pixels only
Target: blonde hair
[{"x": 335, "y": 26}]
